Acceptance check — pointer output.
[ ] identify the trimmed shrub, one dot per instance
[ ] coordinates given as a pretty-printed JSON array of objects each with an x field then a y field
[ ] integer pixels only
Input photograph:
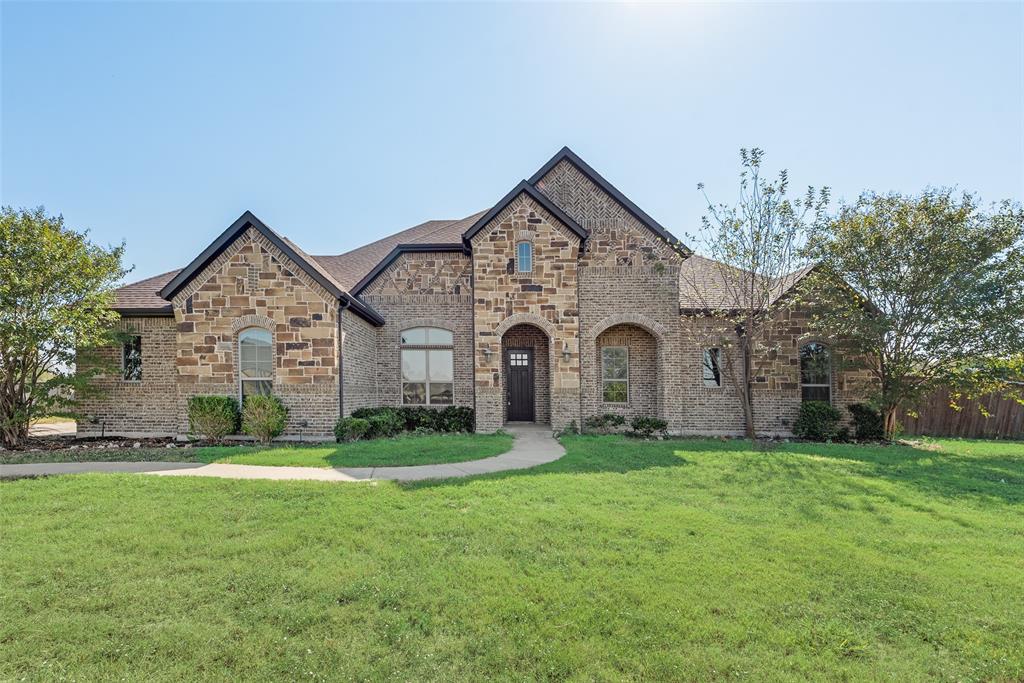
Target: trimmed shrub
[
  {"x": 817, "y": 421},
  {"x": 603, "y": 424},
  {"x": 648, "y": 426},
  {"x": 350, "y": 429},
  {"x": 263, "y": 417},
  {"x": 420, "y": 419},
  {"x": 213, "y": 417},
  {"x": 384, "y": 424},
  {"x": 867, "y": 422}
]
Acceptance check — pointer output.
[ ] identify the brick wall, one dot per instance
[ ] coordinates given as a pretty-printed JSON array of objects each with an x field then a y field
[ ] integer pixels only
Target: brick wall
[
  {"x": 643, "y": 398},
  {"x": 136, "y": 408},
  {"x": 360, "y": 357},
  {"x": 423, "y": 290}
]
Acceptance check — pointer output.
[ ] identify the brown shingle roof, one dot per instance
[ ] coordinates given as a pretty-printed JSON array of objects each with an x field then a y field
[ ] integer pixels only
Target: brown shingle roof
[
  {"x": 143, "y": 295},
  {"x": 352, "y": 266},
  {"x": 704, "y": 284}
]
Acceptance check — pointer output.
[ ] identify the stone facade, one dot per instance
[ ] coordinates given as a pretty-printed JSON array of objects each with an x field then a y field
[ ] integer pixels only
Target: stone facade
[
  {"x": 602, "y": 275},
  {"x": 546, "y": 297}
]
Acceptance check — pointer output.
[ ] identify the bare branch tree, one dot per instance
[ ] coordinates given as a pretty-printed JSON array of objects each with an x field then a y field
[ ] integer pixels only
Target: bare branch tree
[{"x": 754, "y": 249}]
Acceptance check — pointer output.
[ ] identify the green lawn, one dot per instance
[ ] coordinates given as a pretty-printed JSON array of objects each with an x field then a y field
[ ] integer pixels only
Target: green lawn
[
  {"x": 672, "y": 560},
  {"x": 411, "y": 449}
]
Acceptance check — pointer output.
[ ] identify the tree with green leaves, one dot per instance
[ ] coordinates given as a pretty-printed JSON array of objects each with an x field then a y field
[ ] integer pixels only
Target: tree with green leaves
[
  {"x": 755, "y": 250},
  {"x": 929, "y": 288},
  {"x": 55, "y": 297}
]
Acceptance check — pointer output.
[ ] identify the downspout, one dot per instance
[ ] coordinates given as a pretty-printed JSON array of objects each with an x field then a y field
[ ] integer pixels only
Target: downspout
[{"x": 343, "y": 304}]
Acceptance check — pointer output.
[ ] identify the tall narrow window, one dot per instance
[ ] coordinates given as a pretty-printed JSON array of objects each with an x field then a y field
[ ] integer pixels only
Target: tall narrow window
[
  {"x": 524, "y": 257},
  {"x": 615, "y": 374},
  {"x": 428, "y": 367},
  {"x": 712, "y": 367},
  {"x": 131, "y": 359},
  {"x": 815, "y": 373},
  {"x": 255, "y": 362}
]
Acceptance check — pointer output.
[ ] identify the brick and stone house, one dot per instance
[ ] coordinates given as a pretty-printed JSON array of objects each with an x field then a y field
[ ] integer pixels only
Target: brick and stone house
[{"x": 562, "y": 301}]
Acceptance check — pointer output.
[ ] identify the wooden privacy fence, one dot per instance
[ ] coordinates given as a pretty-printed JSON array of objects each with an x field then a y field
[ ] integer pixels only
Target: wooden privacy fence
[{"x": 936, "y": 418}]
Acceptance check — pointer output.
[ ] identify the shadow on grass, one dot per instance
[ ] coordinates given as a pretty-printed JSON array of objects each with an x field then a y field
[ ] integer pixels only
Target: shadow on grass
[{"x": 995, "y": 471}]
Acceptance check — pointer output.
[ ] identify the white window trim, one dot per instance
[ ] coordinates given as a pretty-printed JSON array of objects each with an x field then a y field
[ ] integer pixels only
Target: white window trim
[
  {"x": 123, "y": 368},
  {"x": 710, "y": 384},
  {"x": 426, "y": 365},
  {"x": 519, "y": 265},
  {"x": 605, "y": 381},
  {"x": 238, "y": 365}
]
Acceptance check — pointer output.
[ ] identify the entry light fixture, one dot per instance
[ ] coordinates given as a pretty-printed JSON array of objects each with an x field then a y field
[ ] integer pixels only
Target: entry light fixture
[
  {"x": 566, "y": 353},
  {"x": 487, "y": 354}
]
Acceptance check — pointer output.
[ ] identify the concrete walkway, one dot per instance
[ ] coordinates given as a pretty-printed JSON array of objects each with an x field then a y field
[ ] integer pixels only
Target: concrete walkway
[{"x": 533, "y": 446}]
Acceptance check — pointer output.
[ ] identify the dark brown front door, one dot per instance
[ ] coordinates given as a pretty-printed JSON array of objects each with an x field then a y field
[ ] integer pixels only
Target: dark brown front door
[{"x": 519, "y": 371}]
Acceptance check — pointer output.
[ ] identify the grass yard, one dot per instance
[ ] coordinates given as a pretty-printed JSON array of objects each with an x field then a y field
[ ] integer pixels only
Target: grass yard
[
  {"x": 411, "y": 449},
  {"x": 671, "y": 560}
]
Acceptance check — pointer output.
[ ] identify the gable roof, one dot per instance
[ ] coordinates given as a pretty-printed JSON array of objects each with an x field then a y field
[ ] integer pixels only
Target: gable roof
[
  {"x": 566, "y": 154},
  {"x": 528, "y": 189},
  {"x": 316, "y": 271}
]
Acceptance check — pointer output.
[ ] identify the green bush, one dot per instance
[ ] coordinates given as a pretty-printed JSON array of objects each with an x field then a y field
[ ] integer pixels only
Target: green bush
[
  {"x": 867, "y": 422},
  {"x": 419, "y": 419},
  {"x": 350, "y": 429},
  {"x": 817, "y": 421},
  {"x": 604, "y": 423},
  {"x": 647, "y": 426},
  {"x": 385, "y": 424},
  {"x": 263, "y": 417},
  {"x": 213, "y": 417}
]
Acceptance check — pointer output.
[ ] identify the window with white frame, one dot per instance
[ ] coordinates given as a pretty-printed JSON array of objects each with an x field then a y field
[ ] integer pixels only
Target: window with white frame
[
  {"x": 615, "y": 374},
  {"x": 428, "y": 366},
  {"x": 712, "y": 367},
  {"x": 255, "y": 362},
  {"x": 524, "y": 257},
  {"x": 131, "y": 359},
  {"x": 815, "y": 373}
]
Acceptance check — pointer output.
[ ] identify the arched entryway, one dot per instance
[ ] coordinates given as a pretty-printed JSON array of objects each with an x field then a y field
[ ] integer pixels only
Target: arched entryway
[{"x": 526, "y": 374}]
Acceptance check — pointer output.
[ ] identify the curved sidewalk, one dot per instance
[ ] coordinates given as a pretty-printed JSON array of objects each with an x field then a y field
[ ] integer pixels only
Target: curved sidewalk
[{"x": 534, "y": 445}]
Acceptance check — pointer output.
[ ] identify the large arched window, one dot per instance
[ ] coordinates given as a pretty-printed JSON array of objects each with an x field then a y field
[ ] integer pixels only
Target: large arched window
[
  {"x": 255, "y": 361},
  {"x": 428, "y": 368},
  {"x": 815, "y": 373}
]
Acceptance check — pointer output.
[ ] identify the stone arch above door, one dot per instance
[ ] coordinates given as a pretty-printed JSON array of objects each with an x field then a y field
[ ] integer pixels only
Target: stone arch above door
[{"x": 543, "y": 323}]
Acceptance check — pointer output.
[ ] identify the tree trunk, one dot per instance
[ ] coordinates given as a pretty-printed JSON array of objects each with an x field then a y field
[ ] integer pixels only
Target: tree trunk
[
  {"x": 889, "y": 423},
  {"x": 747, "y": 390}
]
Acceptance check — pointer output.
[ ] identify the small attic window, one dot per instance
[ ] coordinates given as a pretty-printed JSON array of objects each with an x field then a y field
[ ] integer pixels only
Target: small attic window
[{"x": 524, "y": 257}]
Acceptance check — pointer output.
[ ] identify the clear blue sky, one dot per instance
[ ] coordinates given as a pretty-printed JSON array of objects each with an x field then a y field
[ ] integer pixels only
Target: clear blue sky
[{"x": 160, "y": 123}]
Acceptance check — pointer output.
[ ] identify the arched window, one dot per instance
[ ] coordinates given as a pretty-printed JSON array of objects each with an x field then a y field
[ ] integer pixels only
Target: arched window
[
  {"x": 524, "y": 257},
  {"x": 815, "y": 373},
  {"x": 428, "y": 368},
  {"x": 255, "y": 361}
]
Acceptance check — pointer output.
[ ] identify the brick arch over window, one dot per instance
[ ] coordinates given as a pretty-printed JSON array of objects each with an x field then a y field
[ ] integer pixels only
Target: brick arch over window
[
  {"x": 544, "y": 324},
  {"x": 656, "y": 329},
  {"x": 239, "y": 324},
  {"x": 425, "y": 322}
]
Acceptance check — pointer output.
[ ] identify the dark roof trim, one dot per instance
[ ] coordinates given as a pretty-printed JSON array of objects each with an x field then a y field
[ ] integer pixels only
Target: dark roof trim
[
  {"x": 245, "y": 221},
  {"x": 568, "y": 155},
  {"x": 162, "y": 312},
  {"x": 411, "y": 248},
  {"x": 535, "y": 195}
]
